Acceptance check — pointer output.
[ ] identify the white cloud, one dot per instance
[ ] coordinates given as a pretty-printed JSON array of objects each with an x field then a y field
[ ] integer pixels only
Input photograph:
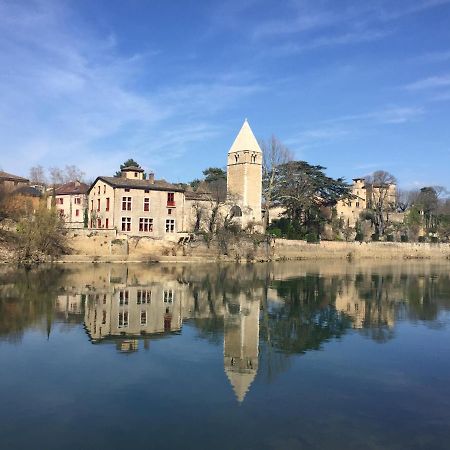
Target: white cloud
[
  {"x": 69, "y": 96},
  {"x": 429, "y": 83}
]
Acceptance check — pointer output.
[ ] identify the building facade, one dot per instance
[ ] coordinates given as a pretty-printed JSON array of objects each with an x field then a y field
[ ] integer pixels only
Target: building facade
[
  {"x": 70, "y": 201},
  {"x": 136, "y": 206},
  {"x": 10, "y": 182},
  {"x": 365, "y": 195}
]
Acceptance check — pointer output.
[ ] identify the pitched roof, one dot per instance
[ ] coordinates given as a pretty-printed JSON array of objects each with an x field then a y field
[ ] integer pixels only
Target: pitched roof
[
  {"x": 72, "y": 188},
  {"x": 9, "y": 177},
  {"x": 28, "y": 191},
  {"x": 198, "y": 195},
  {"x": 132, "y": 168},
  {"x": 157, "y": 185},
  {"x": 245, "y": 140}
]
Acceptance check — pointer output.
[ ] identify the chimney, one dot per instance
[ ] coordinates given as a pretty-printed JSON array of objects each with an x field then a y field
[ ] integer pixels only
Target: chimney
[{"x": 151, "y": 178}]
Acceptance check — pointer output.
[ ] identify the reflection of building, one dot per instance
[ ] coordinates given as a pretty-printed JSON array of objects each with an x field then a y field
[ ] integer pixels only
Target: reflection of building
[
  {"x": 134, "y": 311},
  {"x": 241, "y": 343},
  {"x": 378, "y": 311}
]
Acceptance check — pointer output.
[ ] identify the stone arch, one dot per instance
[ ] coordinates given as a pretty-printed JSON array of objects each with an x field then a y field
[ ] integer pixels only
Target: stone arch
[{"x": 236, "y": 211}]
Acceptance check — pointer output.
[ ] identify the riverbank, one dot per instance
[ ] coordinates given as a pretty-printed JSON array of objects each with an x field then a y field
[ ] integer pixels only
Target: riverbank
[
  {"x": 108, "y": 247},
  {"x": 278, "y": 250}
]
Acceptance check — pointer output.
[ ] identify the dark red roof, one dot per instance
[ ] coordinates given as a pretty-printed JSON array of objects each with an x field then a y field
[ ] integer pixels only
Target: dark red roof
[{"x": 72, "y": 188}]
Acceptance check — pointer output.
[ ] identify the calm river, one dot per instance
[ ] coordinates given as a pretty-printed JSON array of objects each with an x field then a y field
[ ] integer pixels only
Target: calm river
[{"x": 272, "y": 356}]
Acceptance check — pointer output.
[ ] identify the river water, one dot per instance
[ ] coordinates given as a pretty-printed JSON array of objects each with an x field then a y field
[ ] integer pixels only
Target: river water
[{"x": 271, "y": 356}]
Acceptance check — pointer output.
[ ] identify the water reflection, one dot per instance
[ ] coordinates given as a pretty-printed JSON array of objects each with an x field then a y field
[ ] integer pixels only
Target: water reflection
[{"x": 261, "y": 315}]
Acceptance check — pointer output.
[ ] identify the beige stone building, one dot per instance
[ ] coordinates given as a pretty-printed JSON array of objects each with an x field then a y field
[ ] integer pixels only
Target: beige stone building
[
  {"x": 70, "y": 200},
  {"x": 244, "y": 176},
  {"x": 10, "y": 182},
  {"x": 137, "y": 206},
  {"x": 365, "y": 196},
  {"x": 349, "y": 210}
]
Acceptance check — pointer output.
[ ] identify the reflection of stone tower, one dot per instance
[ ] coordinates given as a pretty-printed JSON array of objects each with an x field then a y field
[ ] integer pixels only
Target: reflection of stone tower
[
  {"x": 244, "y": 174},
  {"x": 241, "y": 340}
]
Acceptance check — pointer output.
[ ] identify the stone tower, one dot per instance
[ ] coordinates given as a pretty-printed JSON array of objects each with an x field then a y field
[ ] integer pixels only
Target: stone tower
[{"x": 244, "y": 175}]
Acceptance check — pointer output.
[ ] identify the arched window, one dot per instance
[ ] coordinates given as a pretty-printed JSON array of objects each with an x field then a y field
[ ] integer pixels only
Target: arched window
[
  {"x": 236, "y": 211},
  {"x": 253, "y": 158},
  {"x": 236, "y": 156}
]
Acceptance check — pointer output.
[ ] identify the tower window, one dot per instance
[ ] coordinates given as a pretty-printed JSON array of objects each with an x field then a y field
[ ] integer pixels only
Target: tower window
[{"x": 236, "y": 157}]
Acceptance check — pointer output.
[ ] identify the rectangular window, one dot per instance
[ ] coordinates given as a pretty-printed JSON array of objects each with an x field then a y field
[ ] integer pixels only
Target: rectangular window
[
  {"x": 147, "y": 191},
  {"x": 99, "y": 189},
  {"x": 103, "y": 317},
  {"x": 59, "y": 201},
  {"x": 127, "y": 189},
  {"x": 146, "y": 224},
  {"x": 98, "y": 204},
  {"x": 146, "y": 204},
  {"x": 357, "y": 204},
  {"x": 104, "y": 188},
  {"x": 107, "y": 203},
  {"x": 106, "y": 223},
  {"x": 169, "y": 211},
  {"x": 126, "y": 203},
  {"x": 92, "y": 205},
  {"x": 126, "y": 223},
  {"x": 170, "y": 225},
  {"x": 168, "y": 296},
  {"x": 123, "y": 319},
  {"x": 77, "y": 201},
  {"x": 123, "y": 297},
  {"x": 99, "y": 223},
  {"x": 143, "y": 297},
  {"x": 170, "y": 199},
  {"x": 77, "y": 212},
  {"x": 143, "y": 317},
  {"x": 61, "y": 213}
]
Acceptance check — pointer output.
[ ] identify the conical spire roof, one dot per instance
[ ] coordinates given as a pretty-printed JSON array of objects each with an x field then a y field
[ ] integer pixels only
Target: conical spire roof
[
  {"x": 245, "y": 140},
  {"x": 240, "y": 382}
]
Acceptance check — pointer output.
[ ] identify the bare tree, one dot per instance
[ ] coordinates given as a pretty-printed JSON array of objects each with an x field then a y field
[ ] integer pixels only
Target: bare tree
[
  {"x": 274, "y": 155},
  {"x": 56, "y": 176},
  {"x": 37, "y": 175},
  {"x": 73, "y": 173},
  {"x": 66, "y": 175},
  {"x": 382, "y": 187}
]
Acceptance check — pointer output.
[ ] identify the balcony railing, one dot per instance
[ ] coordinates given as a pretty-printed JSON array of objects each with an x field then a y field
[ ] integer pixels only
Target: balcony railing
[{"x": 171, "y": 203}]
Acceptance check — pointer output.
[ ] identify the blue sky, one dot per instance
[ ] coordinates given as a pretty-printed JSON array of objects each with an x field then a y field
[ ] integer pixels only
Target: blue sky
[{"x": 353, "y": 85}]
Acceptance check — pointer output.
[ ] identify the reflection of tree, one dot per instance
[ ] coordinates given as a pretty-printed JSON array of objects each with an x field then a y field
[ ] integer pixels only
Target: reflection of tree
[
  {"x": 306, "y": 318},
  {"x": 27, "y": 297}
]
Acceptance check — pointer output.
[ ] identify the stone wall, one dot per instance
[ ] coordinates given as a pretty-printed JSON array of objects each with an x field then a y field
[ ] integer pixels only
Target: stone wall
[
  {"x": 373, "y": 250},
  {"x": 107, "y": 245}
]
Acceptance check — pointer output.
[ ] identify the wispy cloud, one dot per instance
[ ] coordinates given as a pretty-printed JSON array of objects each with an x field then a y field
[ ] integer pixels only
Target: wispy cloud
[
  {"x": 387, "y": 115},
  {"x": 68, "y": 94},
  {"x": 429, "y": 83}
]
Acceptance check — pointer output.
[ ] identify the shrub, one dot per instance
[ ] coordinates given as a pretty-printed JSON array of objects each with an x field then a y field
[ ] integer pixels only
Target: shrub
[
  {"x": 404, "y": 238},
  {"x": 44, "y": 233},
  {"x": 276, "y": 232},
  {"x": 312, "y": 238},
  {"x": 390, "y": 238},
  {"x": 359, "y": 237},
  {"x": 375, "y": 237},
  {"x": 434, "y": 239},
  {"x": 421, "y": 239}
]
